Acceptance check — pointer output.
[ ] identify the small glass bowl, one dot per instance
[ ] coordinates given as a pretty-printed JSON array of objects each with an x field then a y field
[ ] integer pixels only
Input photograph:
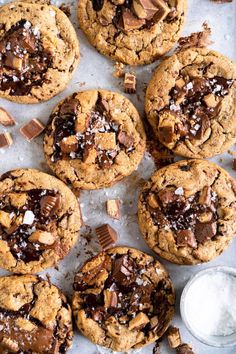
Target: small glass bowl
[{"x": 214, "y": 341}]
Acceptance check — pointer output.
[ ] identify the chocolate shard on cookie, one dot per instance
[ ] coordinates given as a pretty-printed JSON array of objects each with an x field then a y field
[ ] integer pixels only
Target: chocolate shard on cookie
[
  {"x": 126, "y": 296},
  {"x": 38, "y": 55},
  {"x": 186, "y": 103},
  {"x": 186, "y": 211},
  {"x": 135, "y": 26},
  {"x": 94, "y": 139},
  {"x": 39, "y": 221},
  {"x": 39, "y": 321}
]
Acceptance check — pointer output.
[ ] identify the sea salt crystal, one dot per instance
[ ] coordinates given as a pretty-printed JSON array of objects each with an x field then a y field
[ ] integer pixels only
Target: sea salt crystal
[
  {"x": 189, "y": 86},
  {"x": 28, "y": 217},
  {"x": 179, "y": 191},
  {"x": 210, "y": 304}
]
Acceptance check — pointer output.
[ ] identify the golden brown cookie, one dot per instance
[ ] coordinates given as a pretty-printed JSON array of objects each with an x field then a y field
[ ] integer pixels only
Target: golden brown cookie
[
  {"x": 94, "y": 139},
  {"x": 123, "y": 299},
  {"x": 34, "y": 316},
  {"x": 191, "y": 103},
  {"x": 134, "y": 32},
  {"x": 39, "y": 51},
  {"x": 187, "y": 211},
  {"x": 39, "y": 221}
]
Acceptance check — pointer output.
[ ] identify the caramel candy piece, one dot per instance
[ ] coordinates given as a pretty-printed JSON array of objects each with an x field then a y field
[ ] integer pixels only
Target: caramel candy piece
[
  {"x": 174, "y": 338},
  {"x": 5, "y": 219},
  {"x": 205, "y": 231},
  {"x": 50, "y": 204},
  {"x": 110, "y": 298},
  {"x": 82, "y": 122},
  {"x": 130, "y": 83},
  {"x": 186, "y": 238},
  {"x": 105, "y": 141},
  {"x": 69, "y": 144},
  {"x": 14, "y": 62},
  {"x": 211, "y": 100},
  {"x": 18, "y": 199},
  {"x": 113, "y": 208},
  {"x": 205, "y": 196},
  {"x": 180, "y": 83},
  {"x": 43, "y": 237},
  {"x": 125, "y": 139},
  {"x": 130, "y": 21},
  {"x": 152, "y": 201},
  {"x": 107, "y": 236},
  {"x": 5, "y": 140},
  {"x": 32, "y": 129},
  {"x": 184, "y": 349},
  {"x": 138, "y": 321},
  {"x": 5, "y": 118},
  {"x": 90, "y": 154}
]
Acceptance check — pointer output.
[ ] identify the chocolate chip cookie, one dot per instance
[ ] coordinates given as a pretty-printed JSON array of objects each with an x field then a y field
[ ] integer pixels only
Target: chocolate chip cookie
[
  {"x": 34, "y": 316},
  {"x": 39, "y": 221},
  {"x": 134, "y": 32},
  {"x": 94, "y": 139},
  {"x": 191, "y": 103},
  {"x": 187, "y": 211},
  {"x": 39, "y": 51},
  {"x": 123, "y": 299}
]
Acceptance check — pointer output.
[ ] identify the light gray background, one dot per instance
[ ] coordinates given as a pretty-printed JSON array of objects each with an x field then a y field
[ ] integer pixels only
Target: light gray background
[{"x": 96, "y": 71}]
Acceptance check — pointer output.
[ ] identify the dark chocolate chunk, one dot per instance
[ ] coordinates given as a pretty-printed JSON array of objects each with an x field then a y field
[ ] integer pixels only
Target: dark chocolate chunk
[
  {"x": 125, "y": 139},
  {"x": 186, "y": 238},
  {"x": 205, "y": 231},
  {"x": 97, "y": 4}
]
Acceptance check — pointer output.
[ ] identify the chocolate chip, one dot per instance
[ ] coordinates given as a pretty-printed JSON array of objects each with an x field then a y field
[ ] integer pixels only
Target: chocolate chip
[
  {"x": 97, "y": 4},
  {"x": 185, "y": 168},
  {"x": 125, "y": 139},
  {"x": 205, "y": 231}
]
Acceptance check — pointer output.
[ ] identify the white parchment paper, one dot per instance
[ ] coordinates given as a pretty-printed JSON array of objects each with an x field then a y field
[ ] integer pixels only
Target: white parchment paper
[{"x": 95, "y": 71}]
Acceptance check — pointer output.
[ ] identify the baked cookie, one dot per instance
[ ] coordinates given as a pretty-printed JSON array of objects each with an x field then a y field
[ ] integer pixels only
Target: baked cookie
[
  {"x": 39, "y": 51},
  {"x": 187, "y": 211},
  {"x": 134, "y": 32},
  {"x": 34, "y": 316},
  {"x": 123, "y": 299},
  {"x": 39, "y": 221},
  {"x": 191, "y": 103},
  {"x": 94, "y": 139}
]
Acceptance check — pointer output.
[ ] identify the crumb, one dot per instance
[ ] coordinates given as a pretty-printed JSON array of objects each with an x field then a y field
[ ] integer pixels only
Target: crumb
[
  {"x": 118, "y": 70},
  {"x": 196, "y": 39}
]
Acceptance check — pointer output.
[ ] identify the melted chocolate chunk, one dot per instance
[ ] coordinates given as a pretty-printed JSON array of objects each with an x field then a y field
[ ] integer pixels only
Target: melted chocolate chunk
[
  {"x": 23, "y": 60},
  {"x": 85, "y": 146},
  {"x": 197, "y": 101},
  {"x": 17, "y": 235}
]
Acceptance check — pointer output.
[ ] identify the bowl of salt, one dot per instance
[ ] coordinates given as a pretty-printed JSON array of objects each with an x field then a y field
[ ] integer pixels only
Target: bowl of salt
[{"x": 208, "y": 306}]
